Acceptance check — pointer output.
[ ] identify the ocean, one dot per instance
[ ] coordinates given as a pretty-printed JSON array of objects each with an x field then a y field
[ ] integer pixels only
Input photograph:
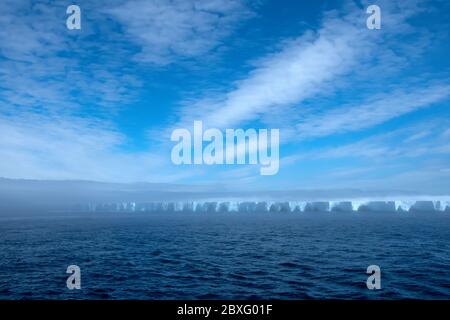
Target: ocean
[{"x": 225, "y": 256}]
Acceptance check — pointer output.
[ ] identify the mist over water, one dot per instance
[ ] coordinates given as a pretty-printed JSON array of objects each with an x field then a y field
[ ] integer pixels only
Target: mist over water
[{"x": 224, "y": 256}]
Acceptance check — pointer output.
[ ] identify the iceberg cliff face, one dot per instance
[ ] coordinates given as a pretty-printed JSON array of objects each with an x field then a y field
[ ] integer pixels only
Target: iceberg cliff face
[{"x": 386, "y": 206}]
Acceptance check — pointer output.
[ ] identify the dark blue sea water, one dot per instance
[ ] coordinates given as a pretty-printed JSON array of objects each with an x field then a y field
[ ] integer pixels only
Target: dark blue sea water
[{"x": 137, "y": 256}]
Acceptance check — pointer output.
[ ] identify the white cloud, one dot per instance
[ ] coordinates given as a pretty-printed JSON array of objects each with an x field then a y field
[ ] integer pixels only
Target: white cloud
[
  {"x": 58, "y": 102},
  {"x": 48, "y": 68},
  {"x": 295, "y": 73},
  {"x": 313, "y": 65},
  {"x": 38, "y": 77},
  {"x": 38, "y": 147},
  {"x": 61, "y": 89},
  {"x": 393, "y": 144},
  {"x": 418, "y": 136},
  {"x": 166, "y": 30},
  {"x": 382, "y": 109}
]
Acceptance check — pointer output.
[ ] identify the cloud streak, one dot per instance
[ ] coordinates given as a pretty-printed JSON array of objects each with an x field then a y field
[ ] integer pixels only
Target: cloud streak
[
  {"x": 287, "y": 77},
  {"x": 380, "y": 110},
  {"x": 314, "y": 65}
]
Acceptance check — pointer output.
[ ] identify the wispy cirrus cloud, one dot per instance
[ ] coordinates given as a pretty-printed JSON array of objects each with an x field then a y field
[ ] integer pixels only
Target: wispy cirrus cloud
[
  {"x": 307, "y": 67},
  {"x": 44, "y": 66},
  {"x": 281, "y": 79},
  {"x": 61, "y": 147},
  {"x": 406, "y": 158},
  {"x": 423, "y": 139},
  {"x": 57, "y": 101},
  {"x": 61, "y": 90},
  {"x": 169, "y": 31},
  {"x": 378, "y": 110}
]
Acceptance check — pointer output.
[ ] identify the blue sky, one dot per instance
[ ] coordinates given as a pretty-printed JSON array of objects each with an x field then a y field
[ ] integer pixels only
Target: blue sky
[{"x": 356, "y": 108}]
